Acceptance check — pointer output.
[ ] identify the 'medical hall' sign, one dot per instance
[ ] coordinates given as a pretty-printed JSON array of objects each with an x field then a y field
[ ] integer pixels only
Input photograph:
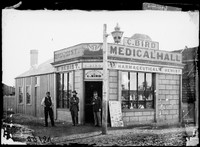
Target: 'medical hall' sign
[{"x": 143, "y": 54}]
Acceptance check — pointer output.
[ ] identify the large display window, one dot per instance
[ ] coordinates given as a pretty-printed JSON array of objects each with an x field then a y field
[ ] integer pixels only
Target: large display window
[
  {"x": 137, "y": 90},
  {"x": 65, "y": 87}
]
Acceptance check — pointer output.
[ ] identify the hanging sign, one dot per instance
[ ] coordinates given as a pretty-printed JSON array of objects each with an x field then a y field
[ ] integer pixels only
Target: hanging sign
[
  {"x": 141, "y": 43},
  {"x": 93, "y": 74},
  {"x": 116, "y": 114}
]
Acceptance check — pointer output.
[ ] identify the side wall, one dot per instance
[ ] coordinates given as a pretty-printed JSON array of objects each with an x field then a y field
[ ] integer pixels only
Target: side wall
[
  {"x": 46, "y": 83},
  {"x": 168, "y": 98}
]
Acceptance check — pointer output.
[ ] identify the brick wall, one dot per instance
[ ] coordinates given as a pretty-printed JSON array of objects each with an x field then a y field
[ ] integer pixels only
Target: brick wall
[
  {"x": 138, "y": 117},
  {"x": 168, "y": 98}
]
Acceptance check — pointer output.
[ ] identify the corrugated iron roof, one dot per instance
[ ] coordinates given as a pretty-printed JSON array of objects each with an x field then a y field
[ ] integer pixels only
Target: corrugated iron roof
[{"x": 43, "y": 68}]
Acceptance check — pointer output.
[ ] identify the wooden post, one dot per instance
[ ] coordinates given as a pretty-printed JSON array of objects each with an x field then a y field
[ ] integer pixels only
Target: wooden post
[
  {"x": 197, "y": 94},
  {"x": 180, "y": 100},
  {"x": 105, "y": 82}
]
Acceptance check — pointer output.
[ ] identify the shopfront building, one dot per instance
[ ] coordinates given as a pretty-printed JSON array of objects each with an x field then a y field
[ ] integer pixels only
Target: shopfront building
[{"x": 146, "y": 80}]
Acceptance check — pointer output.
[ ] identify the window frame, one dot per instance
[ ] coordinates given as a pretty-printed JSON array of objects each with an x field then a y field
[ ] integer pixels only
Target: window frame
[
  {"x": 22, "y": 100},
  {"x": 30, "y": 95},
  {"x": 37, "y": 81},
  {"x": 60, "y": 87},
  {"x": 153, "y": 88}
]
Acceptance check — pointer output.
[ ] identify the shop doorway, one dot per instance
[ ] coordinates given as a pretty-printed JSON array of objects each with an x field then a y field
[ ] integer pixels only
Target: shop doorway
[{"x": 90, "y": 87}]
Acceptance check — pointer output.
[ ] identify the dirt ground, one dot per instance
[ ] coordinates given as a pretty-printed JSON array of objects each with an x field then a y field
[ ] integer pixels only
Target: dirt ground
[{"x": 66, "y": 134}]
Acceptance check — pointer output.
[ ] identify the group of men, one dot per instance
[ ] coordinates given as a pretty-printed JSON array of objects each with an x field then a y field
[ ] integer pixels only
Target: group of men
[{"x": 47, "y": 103}]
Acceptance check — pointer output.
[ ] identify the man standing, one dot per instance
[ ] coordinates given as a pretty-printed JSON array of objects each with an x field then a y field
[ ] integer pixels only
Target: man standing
[
  {"x": 74, "y": 108},
  {"x": 96, "y": 102},
  {"x": 47, "y": 103}
]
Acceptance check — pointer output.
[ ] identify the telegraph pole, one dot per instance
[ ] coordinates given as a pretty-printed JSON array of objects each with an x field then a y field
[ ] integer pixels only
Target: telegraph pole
[{"x": 105, "y": 81}]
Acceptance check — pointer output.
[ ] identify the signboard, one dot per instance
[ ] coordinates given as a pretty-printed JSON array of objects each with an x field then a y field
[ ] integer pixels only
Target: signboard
[
  {"x": 152, "y": 69},
  {"x": 93, "y": 65},
  {"x": 68, "y": 67},
  {"x": 84, "y": 49},
  {"x": 93, "y": 74},
  {"x": 143, "y": 54},
  {"x": 152, "y": 6},
  {"x": 68, "y": 53},
  {"x": 140, "y": 43},
  {"x": 116, "y": 114}
]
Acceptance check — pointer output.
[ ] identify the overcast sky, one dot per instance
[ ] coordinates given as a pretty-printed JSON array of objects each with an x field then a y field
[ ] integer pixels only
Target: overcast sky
[{"x": 48, "y": 31}]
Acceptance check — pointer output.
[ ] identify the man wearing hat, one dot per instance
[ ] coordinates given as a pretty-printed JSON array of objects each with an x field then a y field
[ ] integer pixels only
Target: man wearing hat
[{"x": 74, "y": 108}]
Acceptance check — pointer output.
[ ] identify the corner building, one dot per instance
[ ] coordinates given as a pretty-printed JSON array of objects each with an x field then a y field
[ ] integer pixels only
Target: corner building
[{"x": 146, "y": 81}]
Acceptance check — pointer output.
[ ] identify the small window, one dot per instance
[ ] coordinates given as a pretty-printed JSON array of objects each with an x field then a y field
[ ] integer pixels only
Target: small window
[
  {"x": 28, "y": 94},
  {"x": 37, "y": 81},
  {"x": 20, "y": 95}
]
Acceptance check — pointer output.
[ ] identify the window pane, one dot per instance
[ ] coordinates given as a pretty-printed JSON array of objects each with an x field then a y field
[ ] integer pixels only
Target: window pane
[
  {"x": 28, "y": 95},
  {"x": 149, "y": 81},
  {"x": 71, "y": 85},
  {"x": 20, "y": 95},
  {"x": 149, "y": 91},
  {"x": 133, "y": 90},
  {"x": 65, "y": 90},
  {"x": 60, "y": 85},
  {"x": 149, "y": 87},
  {"x": 125, "y": 90},
  {"x": 141, "y": 89},
  {"x": 124, "y": 80}
]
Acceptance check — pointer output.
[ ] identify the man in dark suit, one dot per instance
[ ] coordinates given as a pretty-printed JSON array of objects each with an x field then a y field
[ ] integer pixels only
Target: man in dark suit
[
  {"x": 96, "y": 102},
  {"x": 74, "y": 108},
  {"x": 47, "y": 103}
]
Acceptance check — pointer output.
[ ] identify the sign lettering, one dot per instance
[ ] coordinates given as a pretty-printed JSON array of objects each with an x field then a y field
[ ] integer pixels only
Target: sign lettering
[
  {"x": 153, "y": 69},
  {"x": 69, "y": 67},
  {"x": 93, "y": 65},
  {"x": 93, "y": 74},
  {"x": 143, "y": 54},
  {"x": 68, "y": 53},
  {"x": 140, "y": 43}
]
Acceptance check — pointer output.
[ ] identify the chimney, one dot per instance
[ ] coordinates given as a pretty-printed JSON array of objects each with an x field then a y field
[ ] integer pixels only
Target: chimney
[{"x": 34, "y": 58}]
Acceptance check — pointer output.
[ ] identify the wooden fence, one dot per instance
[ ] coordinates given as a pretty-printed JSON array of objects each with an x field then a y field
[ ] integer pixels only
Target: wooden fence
[{"x": 9, "y": 103}]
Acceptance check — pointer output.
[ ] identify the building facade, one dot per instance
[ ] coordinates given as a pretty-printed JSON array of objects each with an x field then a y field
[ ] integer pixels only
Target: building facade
[
  {"x": 147, "y": 81},
  {"x": 190, "y": 84}
]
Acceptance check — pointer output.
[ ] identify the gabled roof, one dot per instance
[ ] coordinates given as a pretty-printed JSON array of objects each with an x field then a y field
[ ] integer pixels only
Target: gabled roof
[{"x": 43, "y": 68}]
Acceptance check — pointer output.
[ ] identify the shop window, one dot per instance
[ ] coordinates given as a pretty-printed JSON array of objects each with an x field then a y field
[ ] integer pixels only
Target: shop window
[
  {"x": 28, "y": 94},
  {"x": 65, "y": 87},
  {"x": 137, "y": 90},
  {"x": 20, "y": 95}
]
